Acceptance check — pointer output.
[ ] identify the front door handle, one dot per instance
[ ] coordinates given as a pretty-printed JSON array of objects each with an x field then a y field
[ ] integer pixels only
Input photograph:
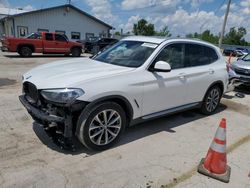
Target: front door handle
[
  {"x": 211, "y": 71},
  {"x": 182, "y": 76}
]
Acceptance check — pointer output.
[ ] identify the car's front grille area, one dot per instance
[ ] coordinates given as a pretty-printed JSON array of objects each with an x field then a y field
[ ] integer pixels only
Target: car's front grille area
[
  {"x": 30, "y": 92},
  {"x": 241, "y": 71}
]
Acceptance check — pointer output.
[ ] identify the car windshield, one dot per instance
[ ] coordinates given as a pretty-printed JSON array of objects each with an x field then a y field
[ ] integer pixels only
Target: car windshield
[
  {"x": 34, "y": 36},
  {"x": 246, "y": 58},
  {"x": 65, "y": 36},
  {"x": 127, "y": 53}
]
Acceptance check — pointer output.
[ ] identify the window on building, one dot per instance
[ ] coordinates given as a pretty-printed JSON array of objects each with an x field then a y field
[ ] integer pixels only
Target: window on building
[
  {"x": 102, "y": 34},
  {"x": 60, "y": 32},
  {"x": 60, "y": 38},
  {"x": 22, "y": 31},
  {"x": 49, "y": 36},
  {"x": 75, "y": 35},
  {"x": 42, "y": 30},
  {"x": 89, "y": 35}
]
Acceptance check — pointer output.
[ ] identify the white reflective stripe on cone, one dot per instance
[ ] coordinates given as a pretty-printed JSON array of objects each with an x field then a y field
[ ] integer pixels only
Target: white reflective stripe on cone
[
  {"x": 218, "y": 147},
  {"x": 221, "y": 134}
]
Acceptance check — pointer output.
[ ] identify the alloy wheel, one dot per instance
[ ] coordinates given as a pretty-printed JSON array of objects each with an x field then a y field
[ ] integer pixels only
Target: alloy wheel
[
  {"x": 105, "y": 127},
  {"x": 213, "y": 100}
]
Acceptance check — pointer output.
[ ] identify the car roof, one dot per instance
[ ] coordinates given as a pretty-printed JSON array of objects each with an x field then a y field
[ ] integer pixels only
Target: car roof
[{"x": 158, "y": 40}]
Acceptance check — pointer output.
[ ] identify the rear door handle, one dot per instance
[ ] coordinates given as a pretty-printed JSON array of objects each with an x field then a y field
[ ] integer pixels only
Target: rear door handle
[{"x": 211, "y": 71}]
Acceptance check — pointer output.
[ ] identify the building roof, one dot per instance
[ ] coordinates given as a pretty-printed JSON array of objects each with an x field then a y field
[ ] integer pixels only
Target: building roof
[
  {"x": 61, "y": 6},
  {"x": 10, "y": 11}
]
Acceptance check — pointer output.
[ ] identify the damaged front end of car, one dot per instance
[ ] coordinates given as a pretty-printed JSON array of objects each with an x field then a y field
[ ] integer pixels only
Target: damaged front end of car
[{"x": 55, "y": 109}]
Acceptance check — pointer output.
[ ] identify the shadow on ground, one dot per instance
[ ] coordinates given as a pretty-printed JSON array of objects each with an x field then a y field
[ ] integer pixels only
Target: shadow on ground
[
  {"x": 243, "y": 89},
  {"x": 131, "y": 134},
  {"x": 7, "y": 82}
]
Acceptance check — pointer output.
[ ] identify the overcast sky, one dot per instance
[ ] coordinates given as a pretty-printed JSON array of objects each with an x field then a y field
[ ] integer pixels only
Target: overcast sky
[{"x": 181, "y": 16}]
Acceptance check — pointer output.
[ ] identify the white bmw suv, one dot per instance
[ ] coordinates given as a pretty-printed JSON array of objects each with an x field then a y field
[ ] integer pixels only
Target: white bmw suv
[{"x": 137, "y": 79}]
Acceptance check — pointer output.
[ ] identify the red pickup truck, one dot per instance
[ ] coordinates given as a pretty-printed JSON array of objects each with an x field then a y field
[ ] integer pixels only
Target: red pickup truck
[{"x": 46, "y": 43}]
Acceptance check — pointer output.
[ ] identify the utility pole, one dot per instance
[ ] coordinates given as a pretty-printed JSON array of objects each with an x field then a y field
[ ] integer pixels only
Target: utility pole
[{"x": 224, "y": 23}]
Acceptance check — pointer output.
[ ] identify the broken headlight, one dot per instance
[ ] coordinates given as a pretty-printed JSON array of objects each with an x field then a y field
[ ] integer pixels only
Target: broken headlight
[{"x": 66, "y": 95}]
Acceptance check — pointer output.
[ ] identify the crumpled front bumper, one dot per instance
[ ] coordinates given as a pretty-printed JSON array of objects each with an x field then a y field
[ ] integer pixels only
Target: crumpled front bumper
[
  {"x": 233, "y": 82},
  {"x": 238, "y": 78},
  {"x": 62, "y": 138},
  {"x": 38, "y": 114}
]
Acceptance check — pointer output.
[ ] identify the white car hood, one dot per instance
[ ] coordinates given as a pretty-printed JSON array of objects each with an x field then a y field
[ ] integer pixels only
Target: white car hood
[{"x": 72, "y": 72}]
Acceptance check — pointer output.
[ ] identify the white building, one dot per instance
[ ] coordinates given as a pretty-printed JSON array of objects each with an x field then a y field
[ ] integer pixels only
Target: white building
[
  {"x": 6, "y": 12},
  {"x": 67, "y": 19}
]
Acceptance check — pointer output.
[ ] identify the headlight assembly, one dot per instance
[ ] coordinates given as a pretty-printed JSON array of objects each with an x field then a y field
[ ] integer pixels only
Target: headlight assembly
[{"x": 65, "y": 95}]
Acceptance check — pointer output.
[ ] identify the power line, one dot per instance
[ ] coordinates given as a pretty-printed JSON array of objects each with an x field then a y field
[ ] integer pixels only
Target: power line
[{"x": 215, "y": 12}]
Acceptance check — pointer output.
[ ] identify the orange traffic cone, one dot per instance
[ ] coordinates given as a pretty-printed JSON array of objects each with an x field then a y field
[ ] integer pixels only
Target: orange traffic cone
[{"x": 215, "y": 163}]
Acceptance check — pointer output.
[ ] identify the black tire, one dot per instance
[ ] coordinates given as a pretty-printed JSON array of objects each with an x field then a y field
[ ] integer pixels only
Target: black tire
[
  {"x": 211, "y": 100},
  {"x": 76, "y": 52},
  {"x": 86, "y": 120},
  {"x": 25, "y": 51}
]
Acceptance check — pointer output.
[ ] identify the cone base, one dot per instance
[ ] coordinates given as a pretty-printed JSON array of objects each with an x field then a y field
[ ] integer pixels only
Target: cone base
[{"x": 223, "y": 177}]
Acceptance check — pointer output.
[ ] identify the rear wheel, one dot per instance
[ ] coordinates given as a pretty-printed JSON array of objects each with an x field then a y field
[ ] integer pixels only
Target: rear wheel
[
  {"x": 25, "y": 51},
  {"x": 101, "y": 126},
  {"x": 76, "y": 52},
  {"x": 211, "y": 100}
]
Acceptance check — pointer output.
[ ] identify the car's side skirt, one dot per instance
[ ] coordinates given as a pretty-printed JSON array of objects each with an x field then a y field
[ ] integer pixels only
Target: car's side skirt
[{"x": 166, "y": 112}]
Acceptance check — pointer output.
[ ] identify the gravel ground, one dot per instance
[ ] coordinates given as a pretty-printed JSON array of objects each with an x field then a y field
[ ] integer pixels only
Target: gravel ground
[{"x": 160, "y": 153}]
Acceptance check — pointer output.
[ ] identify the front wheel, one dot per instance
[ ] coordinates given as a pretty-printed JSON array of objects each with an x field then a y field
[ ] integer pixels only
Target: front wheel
[
  {"x": 76, "y": 52},
  {"x": 25, "y": 51},
  {"x": 211, "y": 100},
  {"x": 101, "y": 126}
]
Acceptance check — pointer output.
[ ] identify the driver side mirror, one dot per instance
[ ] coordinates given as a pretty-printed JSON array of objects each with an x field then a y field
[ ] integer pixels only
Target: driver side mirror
[{"x": 161, "y": 66}]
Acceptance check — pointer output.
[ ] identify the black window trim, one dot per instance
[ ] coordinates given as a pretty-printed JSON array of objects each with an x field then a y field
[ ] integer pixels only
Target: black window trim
[
  {"x": 75, "y": 32},
  {"x": 60, "y": 32},
  {"x": 42, "y": 30},
  {"x": 86, "y": 38},
  {"x": 183, "y": 42}
]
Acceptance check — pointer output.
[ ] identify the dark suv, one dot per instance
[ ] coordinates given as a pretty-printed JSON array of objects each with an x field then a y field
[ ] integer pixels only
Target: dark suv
[{"x": 95, "y": 44}]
